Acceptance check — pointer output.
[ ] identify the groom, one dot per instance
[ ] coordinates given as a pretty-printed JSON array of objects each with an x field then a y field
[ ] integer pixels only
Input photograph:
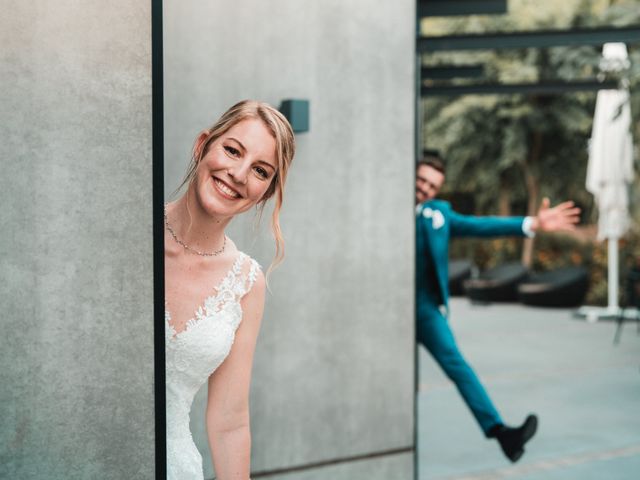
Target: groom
[{"x": 436, "y": 221}]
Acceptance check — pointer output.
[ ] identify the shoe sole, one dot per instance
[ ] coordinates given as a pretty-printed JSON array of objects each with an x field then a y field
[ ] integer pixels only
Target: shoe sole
[
  {"x": 530, "y": 428},
  {"x": 516, "y": 455}
]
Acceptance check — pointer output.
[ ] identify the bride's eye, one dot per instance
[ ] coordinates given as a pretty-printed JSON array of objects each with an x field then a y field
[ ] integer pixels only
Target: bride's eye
[
  {"x": 262, "y": 172},
  {"x": 234, "y": 152}
]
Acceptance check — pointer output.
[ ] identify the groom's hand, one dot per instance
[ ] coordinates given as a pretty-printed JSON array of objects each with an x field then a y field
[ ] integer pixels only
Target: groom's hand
[{"x": 562, "y": 217}]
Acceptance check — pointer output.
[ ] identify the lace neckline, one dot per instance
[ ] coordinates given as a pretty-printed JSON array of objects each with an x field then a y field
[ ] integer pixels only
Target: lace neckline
[{"x": 198, "y": 312}]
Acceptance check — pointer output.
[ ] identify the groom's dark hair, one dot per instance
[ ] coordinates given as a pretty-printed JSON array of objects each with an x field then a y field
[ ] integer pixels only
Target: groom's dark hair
[{"x": 433, "y": 159}]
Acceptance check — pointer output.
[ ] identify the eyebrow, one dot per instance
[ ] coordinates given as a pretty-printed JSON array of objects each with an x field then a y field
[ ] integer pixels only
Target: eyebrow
[
  {"x": 245, "y": 149},
  {"x": 425, "y": 180},
  {"x": 238, "y": 142},
  {"x": 264, "y": 162}
]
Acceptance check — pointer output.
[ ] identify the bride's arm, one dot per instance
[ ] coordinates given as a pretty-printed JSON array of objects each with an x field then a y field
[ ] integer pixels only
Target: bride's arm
[{"x": 228, "y": 403}]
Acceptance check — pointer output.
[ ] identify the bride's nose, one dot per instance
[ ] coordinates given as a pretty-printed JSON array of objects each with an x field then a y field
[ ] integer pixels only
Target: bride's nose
[{"x": 239, "y": 173}]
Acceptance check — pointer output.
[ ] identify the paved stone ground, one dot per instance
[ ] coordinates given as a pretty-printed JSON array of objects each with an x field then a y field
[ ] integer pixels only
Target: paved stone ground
[{"x": 585, "y": 390}]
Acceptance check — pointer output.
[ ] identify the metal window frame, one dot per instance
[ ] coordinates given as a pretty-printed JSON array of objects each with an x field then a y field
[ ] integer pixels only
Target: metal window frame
[
  {"x": 450, "y": 8},
  {"x": 446, "y": 72},
  {"x": 542, "y": 88},
  {"x": 529, "y": 39}
]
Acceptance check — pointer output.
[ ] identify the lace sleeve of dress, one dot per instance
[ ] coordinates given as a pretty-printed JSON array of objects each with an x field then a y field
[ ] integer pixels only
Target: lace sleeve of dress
[{"x": 250, "y": 277}]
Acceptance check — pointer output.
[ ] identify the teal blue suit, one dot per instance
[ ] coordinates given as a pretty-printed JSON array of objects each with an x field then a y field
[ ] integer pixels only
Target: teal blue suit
[{"x": 436, "y": 222}]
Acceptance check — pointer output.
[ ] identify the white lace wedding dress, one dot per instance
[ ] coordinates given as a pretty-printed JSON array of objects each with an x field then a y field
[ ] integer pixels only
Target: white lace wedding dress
[{"x": 193, "y": 354}]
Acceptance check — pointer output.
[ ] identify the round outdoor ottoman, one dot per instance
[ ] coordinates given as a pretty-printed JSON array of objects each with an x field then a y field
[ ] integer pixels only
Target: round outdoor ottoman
[
  {"x": 459, "y": 271},
  {"x": 563, "y": 287},
  {"x": 497, "y": 284}
]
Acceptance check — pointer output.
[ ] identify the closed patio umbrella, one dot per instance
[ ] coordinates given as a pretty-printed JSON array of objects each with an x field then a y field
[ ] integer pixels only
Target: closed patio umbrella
[{"x": 610, "y": 168}]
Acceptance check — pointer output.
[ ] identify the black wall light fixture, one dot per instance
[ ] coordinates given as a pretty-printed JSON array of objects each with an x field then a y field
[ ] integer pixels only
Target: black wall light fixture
[{"x": 297, "y": 112}]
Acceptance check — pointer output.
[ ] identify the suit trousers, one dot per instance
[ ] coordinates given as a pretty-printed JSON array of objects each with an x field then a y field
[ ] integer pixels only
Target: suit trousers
[{"x": 434, "y": 333}]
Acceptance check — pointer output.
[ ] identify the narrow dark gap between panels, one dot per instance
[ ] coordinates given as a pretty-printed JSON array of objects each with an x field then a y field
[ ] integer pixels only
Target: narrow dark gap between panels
[{"x": 158, "y": 238}]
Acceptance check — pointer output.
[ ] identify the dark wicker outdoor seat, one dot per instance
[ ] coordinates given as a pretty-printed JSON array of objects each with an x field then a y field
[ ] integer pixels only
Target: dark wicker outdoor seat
[
  {"x": 563, "y": 287},
  {"x": 459, "y": 271},
  {"x": 497, "y": 284}
]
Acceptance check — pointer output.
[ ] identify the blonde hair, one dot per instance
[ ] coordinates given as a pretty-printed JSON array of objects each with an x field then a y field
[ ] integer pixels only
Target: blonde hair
[{"x": 285, "y": 150}]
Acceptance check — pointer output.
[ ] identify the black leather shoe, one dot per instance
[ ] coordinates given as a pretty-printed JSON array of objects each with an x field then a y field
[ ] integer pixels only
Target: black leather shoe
[{"x": 512, "y": 439}]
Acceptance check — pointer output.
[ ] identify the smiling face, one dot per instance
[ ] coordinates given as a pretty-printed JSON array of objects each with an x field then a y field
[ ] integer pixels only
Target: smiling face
[
  {"x": 429, "y": 181},
  {"x": 237, "y": 168}
]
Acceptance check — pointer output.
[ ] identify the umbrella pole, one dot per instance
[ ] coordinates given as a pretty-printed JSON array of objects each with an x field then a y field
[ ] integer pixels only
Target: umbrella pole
[
  {"x": 612, "y": 310},
  {"x": 612, "y": 280}
]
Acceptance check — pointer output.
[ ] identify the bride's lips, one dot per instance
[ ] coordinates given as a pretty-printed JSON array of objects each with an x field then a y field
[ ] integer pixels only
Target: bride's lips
[{"x": 225, "y": 189}]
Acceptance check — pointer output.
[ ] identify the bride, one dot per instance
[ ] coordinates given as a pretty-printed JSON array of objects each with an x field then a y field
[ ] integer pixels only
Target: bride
[{"x": 215, "y": 293}]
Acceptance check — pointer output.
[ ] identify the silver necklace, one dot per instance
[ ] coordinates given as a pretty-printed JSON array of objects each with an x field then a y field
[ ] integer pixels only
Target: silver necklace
[{"x": 187, "y": 247}]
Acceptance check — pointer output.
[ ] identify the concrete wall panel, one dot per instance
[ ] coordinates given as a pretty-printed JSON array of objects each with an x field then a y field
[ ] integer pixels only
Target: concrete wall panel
[
  {"x": 334, "y": 373},
  {"x": 76, "y": 243}
]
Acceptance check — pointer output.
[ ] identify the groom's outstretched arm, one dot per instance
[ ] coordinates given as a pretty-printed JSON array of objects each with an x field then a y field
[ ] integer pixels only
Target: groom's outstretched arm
[
  {"x": 562, "y": 217},
  {"x": 485, "y": 226}
]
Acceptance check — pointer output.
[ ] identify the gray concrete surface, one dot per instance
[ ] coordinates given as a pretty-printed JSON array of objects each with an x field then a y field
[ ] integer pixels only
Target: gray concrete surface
[
  {"x": 381, "y": 468},
  {"x": 76, "y": 383},
  {"x": 584, "y": 389},
  {"x": 334, "y": 367}
]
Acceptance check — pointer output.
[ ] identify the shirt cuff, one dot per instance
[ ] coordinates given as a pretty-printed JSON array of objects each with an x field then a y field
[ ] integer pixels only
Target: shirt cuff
[{"x": 526, "y": 227}]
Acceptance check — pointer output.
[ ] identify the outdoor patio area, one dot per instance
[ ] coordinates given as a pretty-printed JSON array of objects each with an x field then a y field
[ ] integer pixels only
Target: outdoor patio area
[{"x": 585, "y": 390}]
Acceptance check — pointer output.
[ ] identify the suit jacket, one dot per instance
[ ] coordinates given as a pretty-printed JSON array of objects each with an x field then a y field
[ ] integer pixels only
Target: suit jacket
[{"x": 436, "y": 222}]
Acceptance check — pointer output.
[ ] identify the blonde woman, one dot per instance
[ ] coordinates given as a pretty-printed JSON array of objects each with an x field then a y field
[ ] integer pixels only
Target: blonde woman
[{"x": 215, "y": 293}]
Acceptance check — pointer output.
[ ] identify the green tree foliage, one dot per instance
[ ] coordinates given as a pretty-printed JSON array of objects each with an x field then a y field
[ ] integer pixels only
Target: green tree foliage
[{"x": 511, "y": 150}]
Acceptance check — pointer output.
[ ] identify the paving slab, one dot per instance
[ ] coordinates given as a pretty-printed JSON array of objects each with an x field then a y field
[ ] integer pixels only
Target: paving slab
[{"x": 585, "y": 389}]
